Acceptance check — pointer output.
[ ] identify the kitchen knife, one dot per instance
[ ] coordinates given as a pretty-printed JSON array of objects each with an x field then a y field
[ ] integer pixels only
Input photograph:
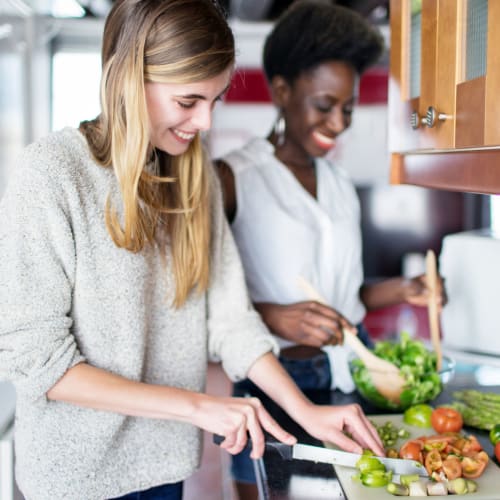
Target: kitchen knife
[{"x": 336, "y": 457}]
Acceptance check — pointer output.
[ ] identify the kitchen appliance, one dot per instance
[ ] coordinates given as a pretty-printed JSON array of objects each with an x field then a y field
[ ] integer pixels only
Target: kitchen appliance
[{"x": 470, "y": 265}]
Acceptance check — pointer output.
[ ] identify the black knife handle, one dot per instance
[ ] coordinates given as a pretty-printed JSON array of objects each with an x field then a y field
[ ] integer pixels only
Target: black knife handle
[{"x": 217, "y": 439}]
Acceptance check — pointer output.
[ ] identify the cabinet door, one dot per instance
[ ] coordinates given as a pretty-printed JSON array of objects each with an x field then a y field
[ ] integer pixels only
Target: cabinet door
[
  {"x": 404, "y": 75},
  {"x": 422, "y": 75},
  {"x": 459, "y": 149},
  {"x": 478, "y": 76}
]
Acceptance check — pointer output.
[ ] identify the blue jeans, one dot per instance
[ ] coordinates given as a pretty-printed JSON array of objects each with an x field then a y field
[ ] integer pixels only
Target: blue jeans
[
  {"x": 313, "y": 373},
  {"x": 164, "y": 492}
]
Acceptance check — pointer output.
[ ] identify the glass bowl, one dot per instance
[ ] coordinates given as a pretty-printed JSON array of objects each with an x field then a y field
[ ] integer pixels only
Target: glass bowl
[{"x": 423, "y": 382}]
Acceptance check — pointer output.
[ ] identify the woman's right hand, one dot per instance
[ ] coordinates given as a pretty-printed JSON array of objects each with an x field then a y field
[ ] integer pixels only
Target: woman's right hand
[
  {"x": 305, "y": 323},
  {"x": 238, "y": 419}
]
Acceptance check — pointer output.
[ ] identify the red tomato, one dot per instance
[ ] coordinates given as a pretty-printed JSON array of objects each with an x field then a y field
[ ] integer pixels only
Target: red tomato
[
  {"x": 412, "y": 450},
  {"x": 445, "y": 419},
  {"x": 471, "y": 446},
  {"x": 435, "y": 443},
  {"x": 433, "y": 461},
  {"x": 472, "y": 468},
  {"x": 497, "y": 451},
  {"x": 482, "y": 456},
  {"x": 452, "y": 467}
]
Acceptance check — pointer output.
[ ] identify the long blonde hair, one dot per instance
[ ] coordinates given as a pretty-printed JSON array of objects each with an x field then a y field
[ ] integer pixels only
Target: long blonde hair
[{"x": 167, "y": 41}]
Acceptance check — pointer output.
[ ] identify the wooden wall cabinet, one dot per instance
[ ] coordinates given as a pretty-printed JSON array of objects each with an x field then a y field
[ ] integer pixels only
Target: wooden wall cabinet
[{"x": 444, "y": 94}]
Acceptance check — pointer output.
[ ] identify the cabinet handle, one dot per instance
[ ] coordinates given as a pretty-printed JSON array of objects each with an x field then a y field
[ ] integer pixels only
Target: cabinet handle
[
  {"x": 432, "y": 117},
  {"x": 416, "y": 120}
]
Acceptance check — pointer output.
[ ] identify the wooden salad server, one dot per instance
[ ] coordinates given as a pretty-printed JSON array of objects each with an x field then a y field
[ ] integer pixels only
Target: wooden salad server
[
  {"x": 432, "y": 305},
  {"x": 386, "y": 376}
]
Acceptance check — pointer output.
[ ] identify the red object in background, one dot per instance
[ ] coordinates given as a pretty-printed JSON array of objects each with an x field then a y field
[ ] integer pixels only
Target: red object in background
[
  {"x": 249, "y": 85},
  {"x": 383, "y": 323}
]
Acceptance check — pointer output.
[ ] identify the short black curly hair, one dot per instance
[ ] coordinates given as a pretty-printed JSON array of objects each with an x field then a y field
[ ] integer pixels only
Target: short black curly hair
[{"x": 311, "y": 32}]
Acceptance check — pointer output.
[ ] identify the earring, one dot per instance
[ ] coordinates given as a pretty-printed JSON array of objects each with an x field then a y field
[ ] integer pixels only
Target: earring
[{"x": 279, "y": 129}]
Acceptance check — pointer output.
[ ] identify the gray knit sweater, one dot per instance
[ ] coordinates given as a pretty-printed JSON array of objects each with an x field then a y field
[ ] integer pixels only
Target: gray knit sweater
[{"x": 68, "y": 294}]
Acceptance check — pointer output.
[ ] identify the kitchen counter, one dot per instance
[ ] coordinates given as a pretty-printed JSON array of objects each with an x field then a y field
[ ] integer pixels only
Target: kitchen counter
[{"x": 298, "y": 479}]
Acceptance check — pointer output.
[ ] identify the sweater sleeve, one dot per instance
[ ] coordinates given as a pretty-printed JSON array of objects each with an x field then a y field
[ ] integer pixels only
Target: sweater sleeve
[
  {"x": 237, "y": 334},
  {"x": 37, "y": 261}
]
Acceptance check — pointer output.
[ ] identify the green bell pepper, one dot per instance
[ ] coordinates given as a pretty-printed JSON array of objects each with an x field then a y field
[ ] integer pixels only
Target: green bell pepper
[{"x": 495, "y": 434}]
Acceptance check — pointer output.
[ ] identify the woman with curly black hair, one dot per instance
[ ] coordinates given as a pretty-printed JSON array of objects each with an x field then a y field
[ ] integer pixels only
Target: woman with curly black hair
[{"x": 294, "y": 214}]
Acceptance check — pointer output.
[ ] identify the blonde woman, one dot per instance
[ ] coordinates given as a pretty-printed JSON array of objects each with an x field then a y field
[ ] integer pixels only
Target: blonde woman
[{"x": 120, "y": 280}]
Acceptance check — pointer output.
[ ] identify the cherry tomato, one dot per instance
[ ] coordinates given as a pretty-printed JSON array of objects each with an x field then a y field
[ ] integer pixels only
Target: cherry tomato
[
  {"x": 412, "y": 450},
  {"x": 452, "y": 467},
  {"x": 472, "y": 468},
  {"x": 482, "y": 456},
  {"x": 445, "y": 419},
  {"x": 435, "y": 443},
  {"x": 497, "y": 451},
  {"x": 433, "y": 461},
  {"x": 471, "y": 446}
]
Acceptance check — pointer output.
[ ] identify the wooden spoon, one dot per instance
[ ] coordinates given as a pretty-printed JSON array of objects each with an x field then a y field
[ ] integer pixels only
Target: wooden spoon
[
  {"x": 432, "y": 305},
  {"x": 386, "y": 376}
]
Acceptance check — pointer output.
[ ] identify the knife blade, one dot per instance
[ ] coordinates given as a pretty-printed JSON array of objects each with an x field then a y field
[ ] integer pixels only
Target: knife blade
[{"x": 336, "y": 457}]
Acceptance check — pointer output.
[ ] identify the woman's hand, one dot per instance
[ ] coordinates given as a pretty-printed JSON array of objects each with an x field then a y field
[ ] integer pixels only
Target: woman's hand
[
  {"x": 331, "y": 423},
  {"x": 306, "y": 323},
  {"x": 398, "y": 290},
  {"x": 237, "y": 419},
  {"x": 417, "y": 293}
]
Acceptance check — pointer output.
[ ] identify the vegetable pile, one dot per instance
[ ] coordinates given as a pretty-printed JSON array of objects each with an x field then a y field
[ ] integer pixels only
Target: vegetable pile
[
  {"x": 447, "y": 456},
  {"x": 479, "y": 409},
  {"x": 417, "y": 365},
  {"x": 452, "y": 461},
  {"x": 410, "y": 486}
]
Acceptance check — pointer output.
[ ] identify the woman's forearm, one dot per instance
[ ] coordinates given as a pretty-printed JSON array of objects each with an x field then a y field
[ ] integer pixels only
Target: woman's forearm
[
  {"x": 270, "y": 376},
  {"x": 91, "y": 387},
  {"x": 385, "y": 293}
]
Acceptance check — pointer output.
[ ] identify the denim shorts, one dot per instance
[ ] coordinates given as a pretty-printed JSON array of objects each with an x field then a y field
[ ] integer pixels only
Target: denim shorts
[
  {"x": 163, "y": 492},
  {"x": 313, "y": 373}
]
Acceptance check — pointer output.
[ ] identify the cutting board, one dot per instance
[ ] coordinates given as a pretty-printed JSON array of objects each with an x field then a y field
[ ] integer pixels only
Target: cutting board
[{"x": 488, "y": 483}]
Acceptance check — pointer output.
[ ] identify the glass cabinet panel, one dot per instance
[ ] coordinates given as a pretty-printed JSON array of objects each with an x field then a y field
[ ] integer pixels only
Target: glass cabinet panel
[
  {"x": 476, "y": 39},
  {"x": 415, "y": 44}
]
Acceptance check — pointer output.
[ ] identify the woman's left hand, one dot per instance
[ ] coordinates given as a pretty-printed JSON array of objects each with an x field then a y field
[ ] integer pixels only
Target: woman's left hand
[
  {"x": 417, "y": 292},
  {"x": 333, "y": 423}
]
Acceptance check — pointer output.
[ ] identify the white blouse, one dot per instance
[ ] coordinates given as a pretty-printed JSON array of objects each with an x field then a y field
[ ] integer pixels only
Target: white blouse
[{"x": 282, "y": 232}]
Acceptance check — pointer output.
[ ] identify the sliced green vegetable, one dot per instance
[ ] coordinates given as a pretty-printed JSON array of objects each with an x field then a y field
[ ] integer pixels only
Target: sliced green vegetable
[
  {"x": 399, "y": 490},
  {"x": 418, "y": 415},
  {"x": 471, "y": 486},
  {"x": 368, "y": 464},
  {"x": 376, "y": 478},
  {"x": 406, "y": 479},
  {"x": 390, "y": 433},
  {"x": 457, "y": 486}
]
